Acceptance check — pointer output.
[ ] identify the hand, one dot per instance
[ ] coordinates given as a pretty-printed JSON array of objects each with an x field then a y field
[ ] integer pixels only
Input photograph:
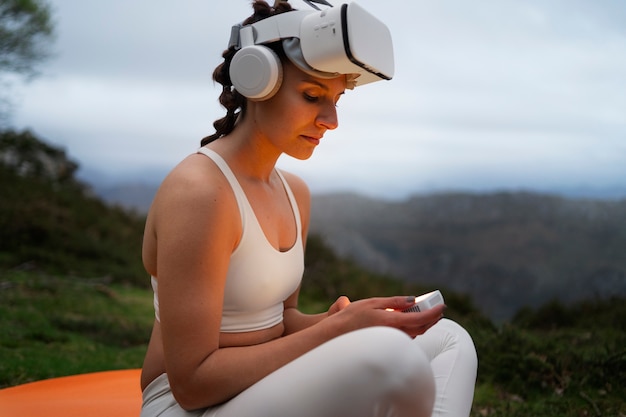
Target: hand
[
  {"x": 385, "y": 311},
  {"x": 421, "y": 321}
]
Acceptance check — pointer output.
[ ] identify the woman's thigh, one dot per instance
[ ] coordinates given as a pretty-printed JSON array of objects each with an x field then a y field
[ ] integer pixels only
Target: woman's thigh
[{"x": 374, "y": 372}]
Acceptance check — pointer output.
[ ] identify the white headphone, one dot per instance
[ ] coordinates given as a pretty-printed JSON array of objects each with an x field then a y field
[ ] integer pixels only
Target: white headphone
[{"x": 255, "y": 71}]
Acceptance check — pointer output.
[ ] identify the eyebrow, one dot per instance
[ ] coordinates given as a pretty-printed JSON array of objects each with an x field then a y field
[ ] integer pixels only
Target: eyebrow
[
  {"x": 311, "y": 80},
  {"x": 323, "y": 86}
]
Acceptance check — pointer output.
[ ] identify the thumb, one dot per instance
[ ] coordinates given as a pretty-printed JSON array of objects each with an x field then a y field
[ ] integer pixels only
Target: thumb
[{"x": 341, "y": 303}]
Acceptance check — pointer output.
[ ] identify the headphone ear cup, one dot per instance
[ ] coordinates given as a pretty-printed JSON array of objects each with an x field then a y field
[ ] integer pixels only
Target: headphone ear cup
[{"x": 256, "y": 72}]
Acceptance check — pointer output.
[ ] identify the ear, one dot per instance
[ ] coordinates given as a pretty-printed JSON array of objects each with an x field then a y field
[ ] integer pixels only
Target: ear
[{"x": 256, "y": 72}]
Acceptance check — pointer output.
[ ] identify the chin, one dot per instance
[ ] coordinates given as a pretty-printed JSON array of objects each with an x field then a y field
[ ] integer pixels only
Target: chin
[{"x": 302, "y": 155}]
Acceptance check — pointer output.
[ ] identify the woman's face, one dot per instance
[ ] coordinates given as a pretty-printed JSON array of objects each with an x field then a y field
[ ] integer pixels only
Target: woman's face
[{"x": 303, "y": 109}]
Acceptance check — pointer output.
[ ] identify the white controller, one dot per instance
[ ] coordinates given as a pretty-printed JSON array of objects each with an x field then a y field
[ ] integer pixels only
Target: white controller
[{"x": 425, "y": 302}]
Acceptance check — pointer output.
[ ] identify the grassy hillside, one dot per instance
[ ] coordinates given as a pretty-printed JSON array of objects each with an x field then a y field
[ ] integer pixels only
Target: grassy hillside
[
  {"x": 74, "y": 298},
  {"x": 50, "y": 221}
]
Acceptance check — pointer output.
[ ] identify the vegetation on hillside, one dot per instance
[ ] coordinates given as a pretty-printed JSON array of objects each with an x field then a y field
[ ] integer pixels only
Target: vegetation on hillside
[
  {"x": 50, "y": 221},
  {"x": 74, "y": 298}
]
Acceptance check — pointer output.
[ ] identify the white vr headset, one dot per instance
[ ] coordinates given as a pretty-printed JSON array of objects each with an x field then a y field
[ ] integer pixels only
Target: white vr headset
[{"x": 327, "y": 43}]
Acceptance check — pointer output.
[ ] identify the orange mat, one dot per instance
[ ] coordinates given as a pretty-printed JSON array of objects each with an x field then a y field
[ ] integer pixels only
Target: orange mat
[{"x": 98, "y": 394}]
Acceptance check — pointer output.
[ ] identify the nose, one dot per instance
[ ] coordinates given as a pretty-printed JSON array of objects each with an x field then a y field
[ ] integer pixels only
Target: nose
[{"x": 327, "y": 116}]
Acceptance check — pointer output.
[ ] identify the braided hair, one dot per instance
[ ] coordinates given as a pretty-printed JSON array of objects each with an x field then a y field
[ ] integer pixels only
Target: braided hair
[{"x": 230, "y": 99}]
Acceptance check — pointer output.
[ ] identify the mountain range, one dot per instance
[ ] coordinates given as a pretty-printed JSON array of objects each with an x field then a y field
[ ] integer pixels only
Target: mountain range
[{"x": 507, "y": 250}]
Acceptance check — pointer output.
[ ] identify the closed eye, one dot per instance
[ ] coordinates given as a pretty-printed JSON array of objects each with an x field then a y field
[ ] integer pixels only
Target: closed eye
[
  {"x": 310, "y": 98},
  {"x": 315, "y": 99}
]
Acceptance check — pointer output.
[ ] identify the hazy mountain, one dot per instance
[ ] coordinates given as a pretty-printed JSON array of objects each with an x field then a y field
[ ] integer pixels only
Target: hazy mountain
[
  {"x": 506, "y": 250},
  {"x": 137, "y": 197}
]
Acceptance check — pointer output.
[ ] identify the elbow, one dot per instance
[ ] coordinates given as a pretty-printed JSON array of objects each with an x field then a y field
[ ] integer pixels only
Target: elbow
[
  {"x": 191, "y": 395},
  {"x": 198, "y": 386},
  {"x": 186, "y": 399}
]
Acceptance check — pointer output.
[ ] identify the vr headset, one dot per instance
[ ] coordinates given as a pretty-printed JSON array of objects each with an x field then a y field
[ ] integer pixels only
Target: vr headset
[{"x": 324, "y": 43}]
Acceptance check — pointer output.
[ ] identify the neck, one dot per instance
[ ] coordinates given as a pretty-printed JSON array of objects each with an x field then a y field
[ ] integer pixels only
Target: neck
[{"x": 247, "y": 153}]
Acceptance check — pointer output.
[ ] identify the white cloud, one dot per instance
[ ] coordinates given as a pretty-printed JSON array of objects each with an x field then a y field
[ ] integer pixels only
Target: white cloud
[{"x": 491, "y": 94}]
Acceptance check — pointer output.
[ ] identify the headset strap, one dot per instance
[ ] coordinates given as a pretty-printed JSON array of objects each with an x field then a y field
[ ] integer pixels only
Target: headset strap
[{"x": 281, "y": 26}]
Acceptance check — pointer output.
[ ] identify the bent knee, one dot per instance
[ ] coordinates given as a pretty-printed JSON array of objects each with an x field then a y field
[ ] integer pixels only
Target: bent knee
[
  {"x": 449, "y": 335},
  {"x": 463, "y": 338},
  {"x": 389, "y": 357},
  {"x": 386, "y": 348}
]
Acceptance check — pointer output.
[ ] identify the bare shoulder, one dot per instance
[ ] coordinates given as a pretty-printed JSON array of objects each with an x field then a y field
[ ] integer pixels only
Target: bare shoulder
[
  {"x": 196, "y": 180},
  {"x": 193, "y": 204},
  {"x": 195, "y": 195}
]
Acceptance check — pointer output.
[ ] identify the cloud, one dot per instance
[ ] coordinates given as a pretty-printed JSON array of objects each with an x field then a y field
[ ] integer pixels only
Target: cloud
[{"x": 493, "y": 94}]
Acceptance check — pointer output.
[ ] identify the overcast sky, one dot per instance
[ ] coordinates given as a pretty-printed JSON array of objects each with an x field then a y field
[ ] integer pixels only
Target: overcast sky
[{"x": 488, "y": 94}]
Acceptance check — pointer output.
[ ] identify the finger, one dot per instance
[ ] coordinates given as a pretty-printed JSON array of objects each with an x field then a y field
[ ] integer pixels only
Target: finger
[
  {"x": 416, "y": 330},
  {"x": 396, "y": 303},
  {"x": 418, "y": 320},
  {"x": 342, "y": 302},
  {"x": 432, "y": 314}
]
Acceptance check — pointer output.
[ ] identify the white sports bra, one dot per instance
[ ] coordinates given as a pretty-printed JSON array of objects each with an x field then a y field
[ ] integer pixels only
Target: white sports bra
[{"x": 259, "y": 277}]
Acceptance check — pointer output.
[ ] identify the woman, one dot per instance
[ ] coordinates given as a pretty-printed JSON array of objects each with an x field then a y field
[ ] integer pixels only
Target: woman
[{"x": 224, "y": 243}]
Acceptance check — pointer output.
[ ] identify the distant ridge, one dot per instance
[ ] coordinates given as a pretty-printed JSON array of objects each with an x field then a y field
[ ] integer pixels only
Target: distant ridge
[
  {"x": 507, "y": 249},
  {"x": 136, "y": 197}
]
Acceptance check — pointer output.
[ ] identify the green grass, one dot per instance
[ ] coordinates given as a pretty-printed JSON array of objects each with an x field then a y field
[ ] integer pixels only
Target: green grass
[
  {"x": 557, "y": 372},
  {"x": 53, "y": 326}
]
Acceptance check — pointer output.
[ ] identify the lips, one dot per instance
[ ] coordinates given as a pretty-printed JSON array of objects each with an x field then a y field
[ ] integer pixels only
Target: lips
[{"x": 313, "y": 139}]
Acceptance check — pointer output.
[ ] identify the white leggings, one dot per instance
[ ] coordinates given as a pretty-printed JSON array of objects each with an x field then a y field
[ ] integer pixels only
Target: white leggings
[{"x": 373, "y": 372}]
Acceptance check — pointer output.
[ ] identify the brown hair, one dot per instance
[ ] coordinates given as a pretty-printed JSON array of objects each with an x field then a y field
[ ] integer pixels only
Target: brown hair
[{"x": 230, "y": 99}]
